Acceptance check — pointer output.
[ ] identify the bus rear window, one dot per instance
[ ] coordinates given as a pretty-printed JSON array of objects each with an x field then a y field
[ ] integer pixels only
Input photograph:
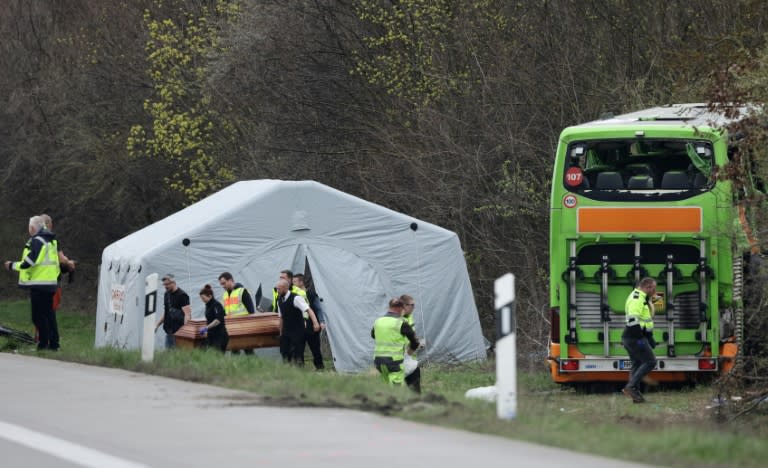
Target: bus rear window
[{"x": 639, "y": 168}]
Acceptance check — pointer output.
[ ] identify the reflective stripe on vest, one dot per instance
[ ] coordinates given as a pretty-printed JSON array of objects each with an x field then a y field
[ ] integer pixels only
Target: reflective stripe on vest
[
  {"x": 233, "y": 305},
  {"x": 637, "y": 310},
  {"x": 44, "y": 270},
  {"x": 389, "y": 341}
]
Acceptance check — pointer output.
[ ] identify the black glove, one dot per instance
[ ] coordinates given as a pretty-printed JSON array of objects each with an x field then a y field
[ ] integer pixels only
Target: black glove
[{"x": 651, "y": 342}]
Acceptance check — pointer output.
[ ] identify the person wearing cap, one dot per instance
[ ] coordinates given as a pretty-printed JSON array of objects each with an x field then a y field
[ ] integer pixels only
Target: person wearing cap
[
  {"x": 394, "y": 337},
  {"x": 175, "y": 300}
]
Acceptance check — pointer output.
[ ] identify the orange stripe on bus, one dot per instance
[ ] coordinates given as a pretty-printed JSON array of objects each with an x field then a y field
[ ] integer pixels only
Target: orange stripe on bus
[{"x": 682, "y": 219}]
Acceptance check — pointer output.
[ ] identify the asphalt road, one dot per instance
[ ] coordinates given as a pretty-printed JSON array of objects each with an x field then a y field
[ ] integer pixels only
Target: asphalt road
[{"x": 57, "y": 414}]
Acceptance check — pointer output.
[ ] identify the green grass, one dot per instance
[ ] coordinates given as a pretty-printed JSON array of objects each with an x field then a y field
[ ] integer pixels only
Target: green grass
[{"x": 675, "y": 428}]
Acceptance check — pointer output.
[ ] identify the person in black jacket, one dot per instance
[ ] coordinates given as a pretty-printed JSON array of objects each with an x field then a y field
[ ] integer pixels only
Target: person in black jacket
[
  {"x": 38, "y": 272},
  {"x": 291, "y": 308},
  {"x": 176, "y": 310},
  {"x": 216, "y": 331},
  {"x": 312, "y": 336}
]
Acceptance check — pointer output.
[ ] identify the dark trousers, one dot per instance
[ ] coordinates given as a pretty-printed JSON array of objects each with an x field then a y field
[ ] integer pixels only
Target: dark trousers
[
  {"x": 218, "y": 341},
  {"x": 54, "y": 343},
  {"x": 44, "y": 318},
  {"x": 292, "y": 347},
  {"x": 313, "y": 341},
  {"x": 643, "y": 359},
  {"x": 55, "y": 323}
]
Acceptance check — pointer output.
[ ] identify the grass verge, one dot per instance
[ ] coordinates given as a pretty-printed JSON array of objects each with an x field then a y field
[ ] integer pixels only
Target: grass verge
[{"x": 676, "y": 428}]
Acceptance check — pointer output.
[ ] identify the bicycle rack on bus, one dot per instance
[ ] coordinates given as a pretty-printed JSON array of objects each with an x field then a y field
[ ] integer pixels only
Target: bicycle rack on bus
[
  {"x": 605, "y": 309},
  {"x": 637, "y": 272},
  {"x": 669, "y": 271},
  {"x": 572, "y": 271},
  {"x": 705, "y": 274}
]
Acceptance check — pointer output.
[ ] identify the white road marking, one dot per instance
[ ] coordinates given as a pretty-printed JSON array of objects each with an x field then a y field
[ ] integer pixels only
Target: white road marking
[{"x": 60, "y": 448}]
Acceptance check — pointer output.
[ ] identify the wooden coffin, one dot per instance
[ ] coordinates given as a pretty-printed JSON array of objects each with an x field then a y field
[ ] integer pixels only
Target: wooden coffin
[{"x": 260, "y": 330}]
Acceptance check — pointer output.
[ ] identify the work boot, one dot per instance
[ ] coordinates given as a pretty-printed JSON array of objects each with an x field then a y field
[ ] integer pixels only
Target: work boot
[
  {"x": 639, "y": 395},
  {"x": 632, "y": 393}
]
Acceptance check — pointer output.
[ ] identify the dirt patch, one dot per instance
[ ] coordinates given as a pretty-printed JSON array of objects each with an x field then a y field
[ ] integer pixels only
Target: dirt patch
[
  {"x": 638, "y": 421},
  {"x": 381, "y": 404}
]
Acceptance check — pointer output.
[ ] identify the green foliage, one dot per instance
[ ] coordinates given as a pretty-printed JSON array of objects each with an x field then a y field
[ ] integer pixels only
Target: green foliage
[
  {"x": 408, "y": 54},
  {"x": 749, "y": 84},
  {"x": 522, "y": 193},
  {"x": 745, "y": 82},
  {"x": 185, "y": 131}
]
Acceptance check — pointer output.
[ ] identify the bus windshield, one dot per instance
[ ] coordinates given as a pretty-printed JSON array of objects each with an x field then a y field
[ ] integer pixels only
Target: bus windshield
[{"x": 639, "y": 169}]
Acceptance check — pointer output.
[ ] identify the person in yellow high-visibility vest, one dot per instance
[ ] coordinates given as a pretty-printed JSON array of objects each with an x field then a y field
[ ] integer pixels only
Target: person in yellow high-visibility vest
[
  {"x": 236, "y": 299},
  {"x": 394, "y": 337},
  {"x": 38, "y": 272},
  {"x": 67, "y": 264},
  {"x": 67, "y": 267},
  {"x": 637, "y": 337},
  {"x": 408, "y": 307},
  {"x": 288, "y": 276}
]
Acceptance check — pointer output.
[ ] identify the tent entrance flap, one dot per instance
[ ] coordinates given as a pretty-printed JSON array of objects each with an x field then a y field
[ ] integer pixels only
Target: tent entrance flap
[{"x": 353, "y": 295}]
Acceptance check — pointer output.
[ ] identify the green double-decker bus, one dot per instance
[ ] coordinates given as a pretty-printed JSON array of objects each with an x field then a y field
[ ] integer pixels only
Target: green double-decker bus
[{"x": 640, "y": 195}]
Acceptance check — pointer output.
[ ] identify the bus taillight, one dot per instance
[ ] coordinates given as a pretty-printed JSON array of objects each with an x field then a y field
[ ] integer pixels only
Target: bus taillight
[
  {"x": 707, "y": 364},
  {"x": 569, "y": 365}
]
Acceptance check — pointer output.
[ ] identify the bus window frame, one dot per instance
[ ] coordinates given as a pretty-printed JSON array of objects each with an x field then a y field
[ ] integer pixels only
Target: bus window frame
[{"x": 631, "y": 195}]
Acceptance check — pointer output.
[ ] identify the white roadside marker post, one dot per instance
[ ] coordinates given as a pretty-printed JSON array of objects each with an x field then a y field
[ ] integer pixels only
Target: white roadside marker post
[
  {"x": 150, "y": 305},
  {"x": 506, "y": 348}
]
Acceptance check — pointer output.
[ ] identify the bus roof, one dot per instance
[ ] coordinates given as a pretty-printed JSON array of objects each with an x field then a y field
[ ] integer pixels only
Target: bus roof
[{"x": 692, "y": 114}]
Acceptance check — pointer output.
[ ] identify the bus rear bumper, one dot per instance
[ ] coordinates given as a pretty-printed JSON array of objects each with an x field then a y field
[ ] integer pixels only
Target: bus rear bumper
[{"x": 580, "y": 368}]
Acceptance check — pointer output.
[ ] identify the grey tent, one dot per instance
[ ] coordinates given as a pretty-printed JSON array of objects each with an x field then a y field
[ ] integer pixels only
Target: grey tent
[{"x": 359, "y": 255}]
